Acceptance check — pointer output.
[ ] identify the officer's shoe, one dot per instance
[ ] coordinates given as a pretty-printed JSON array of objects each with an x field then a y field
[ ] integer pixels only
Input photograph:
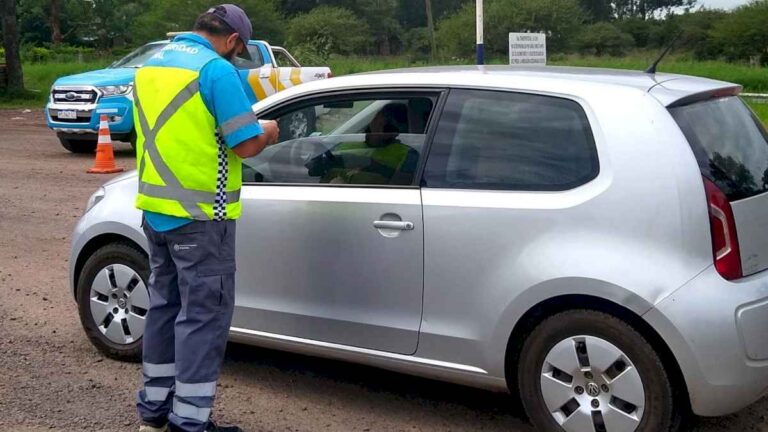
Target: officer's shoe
[
  {"x": 212, "y": 427},
  {"x": 150, "y": 428}
]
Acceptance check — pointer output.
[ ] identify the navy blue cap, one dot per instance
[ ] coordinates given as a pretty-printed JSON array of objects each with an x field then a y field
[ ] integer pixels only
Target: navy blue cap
[{"x": 235, "y": 18}]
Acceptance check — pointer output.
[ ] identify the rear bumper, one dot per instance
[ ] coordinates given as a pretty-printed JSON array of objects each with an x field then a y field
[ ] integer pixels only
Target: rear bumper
[
  {"x": 119, "y": 111},
  {"x": 718, "y": 332}
]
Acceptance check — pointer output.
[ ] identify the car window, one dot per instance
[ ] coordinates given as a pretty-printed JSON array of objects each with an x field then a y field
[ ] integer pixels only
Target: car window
[
  {"x": 730, "y": 144},
  {"x": 353, "y": 141},
  {"x": 256, "y": 61},
  {"x": 511, "y": 141}
]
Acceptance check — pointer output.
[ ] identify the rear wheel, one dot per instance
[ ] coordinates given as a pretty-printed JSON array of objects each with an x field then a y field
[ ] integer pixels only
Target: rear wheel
[
  {"x": 78, "y": 145},
  {"x": 587, "y": 371},
  {"x": 113, "y": 300}
]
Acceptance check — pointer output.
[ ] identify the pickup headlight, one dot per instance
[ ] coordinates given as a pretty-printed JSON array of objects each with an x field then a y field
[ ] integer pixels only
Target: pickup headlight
[
  {"x": 95, "y": 199},
  {"x": 116, "y": 90}
]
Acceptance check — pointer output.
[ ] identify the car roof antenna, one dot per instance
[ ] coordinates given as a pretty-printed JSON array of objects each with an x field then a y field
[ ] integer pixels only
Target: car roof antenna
[{"x": 652, "y": 68}]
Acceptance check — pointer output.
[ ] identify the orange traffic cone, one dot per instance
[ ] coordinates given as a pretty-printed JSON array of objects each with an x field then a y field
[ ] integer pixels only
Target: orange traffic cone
[{"x": 105, "y": 158}]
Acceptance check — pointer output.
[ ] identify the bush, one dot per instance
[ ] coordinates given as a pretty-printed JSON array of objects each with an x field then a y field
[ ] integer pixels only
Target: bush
[
  {"x": 642, "y": 31},
  {"x": 604, "y": 38},
  {"x": 558, "y": 19},
  {"x": 329, "y": 30},
  {"x": 455, "y": 34},
  {"x": 743, "y": 34},
  {"x": 417, "y": 43},
  {"x": 37, "y": 54}
]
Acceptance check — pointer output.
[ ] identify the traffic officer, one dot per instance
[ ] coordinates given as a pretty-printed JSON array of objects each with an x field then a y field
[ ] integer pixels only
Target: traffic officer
[{"x": 194, "y": 125}]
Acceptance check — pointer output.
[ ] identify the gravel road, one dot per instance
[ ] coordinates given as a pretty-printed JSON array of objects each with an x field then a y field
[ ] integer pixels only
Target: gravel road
[{"x": 51, "y": 378}]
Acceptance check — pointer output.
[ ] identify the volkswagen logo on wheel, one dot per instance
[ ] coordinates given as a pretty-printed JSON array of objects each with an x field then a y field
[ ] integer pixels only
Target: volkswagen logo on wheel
[{"x": 593, "y": 389}]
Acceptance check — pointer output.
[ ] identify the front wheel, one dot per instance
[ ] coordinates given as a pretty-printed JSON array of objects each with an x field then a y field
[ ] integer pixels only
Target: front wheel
[
  {"x": 587, "y": 371},
  {"x": 113, "y": 300},
  {"x": 75, "y": 145}
]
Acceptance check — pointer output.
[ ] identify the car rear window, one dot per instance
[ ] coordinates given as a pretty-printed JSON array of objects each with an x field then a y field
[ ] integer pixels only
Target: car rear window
[{"x": 730, "y": 144}]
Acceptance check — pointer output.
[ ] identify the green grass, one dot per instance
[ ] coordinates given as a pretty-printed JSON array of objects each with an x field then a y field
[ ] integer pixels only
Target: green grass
[
  {"x": 761, "y": 109},
  {"x": 754, "y": 79},
  {"x": 39, "y": 77}
]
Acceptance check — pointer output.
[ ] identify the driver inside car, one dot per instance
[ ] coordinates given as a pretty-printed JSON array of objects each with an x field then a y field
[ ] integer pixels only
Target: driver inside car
[{"x": 381, "y": 159}]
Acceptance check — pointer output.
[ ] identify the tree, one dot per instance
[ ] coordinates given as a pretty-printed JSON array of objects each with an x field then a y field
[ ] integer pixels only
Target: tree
[
  {"x": 558, "y": 19},
  {"x": 11, "y": 44},
  {"x": 743, "y": 34},
  {"x": 161, "y": 17},
  {"x": 604, "y": 38},
  {"x": 431, "y": 27},
  {"x": 646, "y": 9},
  {"x": 328, "y": 30},
  {"x": 455, "y": 34},
  {"x": 56, "y": 36}
]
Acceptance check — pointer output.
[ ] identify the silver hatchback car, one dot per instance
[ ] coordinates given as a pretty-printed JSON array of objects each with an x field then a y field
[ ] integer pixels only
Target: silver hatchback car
[{"x": 594, "y": 240}]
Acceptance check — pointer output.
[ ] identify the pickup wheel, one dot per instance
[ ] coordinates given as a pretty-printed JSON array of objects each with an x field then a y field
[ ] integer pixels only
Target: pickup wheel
[
  {"x": 75, "y": 145},
  {"x": 132, "y": 139},
  {"x": 299, "y": 124}
]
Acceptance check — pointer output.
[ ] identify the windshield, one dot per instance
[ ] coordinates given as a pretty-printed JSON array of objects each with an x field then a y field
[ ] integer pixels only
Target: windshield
[{"x": 137, "y": 58}]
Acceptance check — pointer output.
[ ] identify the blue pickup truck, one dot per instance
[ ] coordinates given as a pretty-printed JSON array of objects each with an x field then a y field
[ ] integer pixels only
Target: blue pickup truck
[{"x": 78, "y": 101}]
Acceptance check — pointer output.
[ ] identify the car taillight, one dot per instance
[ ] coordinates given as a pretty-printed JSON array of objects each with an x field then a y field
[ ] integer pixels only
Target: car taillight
[
  {"x": 725, "y": 242},
  {"x": 330, "y": 75}
]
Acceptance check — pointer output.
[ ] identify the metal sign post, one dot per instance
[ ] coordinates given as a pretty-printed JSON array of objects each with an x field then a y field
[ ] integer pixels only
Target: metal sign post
[{"x": 480, "y": 44}]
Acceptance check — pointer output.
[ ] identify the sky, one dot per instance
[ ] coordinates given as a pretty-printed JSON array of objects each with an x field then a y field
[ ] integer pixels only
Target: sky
[{"x": 721, "y": 4}]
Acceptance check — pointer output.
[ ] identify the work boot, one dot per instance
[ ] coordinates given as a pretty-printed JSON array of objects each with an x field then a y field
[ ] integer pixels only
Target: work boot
[
  {"x": 145, "y": 427},
  {"x": 212, "y": 427}
]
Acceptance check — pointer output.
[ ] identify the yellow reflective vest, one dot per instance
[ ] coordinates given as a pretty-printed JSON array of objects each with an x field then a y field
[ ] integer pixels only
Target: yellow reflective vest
[{"x": 185, "y": 169}]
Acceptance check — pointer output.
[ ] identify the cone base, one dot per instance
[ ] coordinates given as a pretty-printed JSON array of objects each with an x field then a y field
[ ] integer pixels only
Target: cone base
[{"x": 105, "y": 170}]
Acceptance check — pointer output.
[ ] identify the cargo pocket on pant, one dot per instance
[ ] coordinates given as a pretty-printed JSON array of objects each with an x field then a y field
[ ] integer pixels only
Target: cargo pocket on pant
[{"x": 219, "y": 277}]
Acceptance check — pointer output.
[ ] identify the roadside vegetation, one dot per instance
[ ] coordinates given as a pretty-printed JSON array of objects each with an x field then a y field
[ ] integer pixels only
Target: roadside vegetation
[{"x": 62, "y": 37}]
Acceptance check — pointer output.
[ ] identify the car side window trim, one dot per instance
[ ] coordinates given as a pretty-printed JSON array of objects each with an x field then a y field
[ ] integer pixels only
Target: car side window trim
[{"x": 440, "y": 95}]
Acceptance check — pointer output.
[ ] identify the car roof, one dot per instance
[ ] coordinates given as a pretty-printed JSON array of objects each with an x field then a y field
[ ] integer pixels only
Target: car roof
[
  {"x": 628, "y": 78},
  {"x": 665, "y": 87}
]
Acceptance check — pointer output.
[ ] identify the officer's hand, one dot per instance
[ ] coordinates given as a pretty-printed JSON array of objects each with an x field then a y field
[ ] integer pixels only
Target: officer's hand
[{"x": 271, "y": 130}]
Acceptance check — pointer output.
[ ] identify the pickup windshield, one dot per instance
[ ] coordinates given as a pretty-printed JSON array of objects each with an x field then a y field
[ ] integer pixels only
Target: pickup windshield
[{"x": 137, "y": 58}]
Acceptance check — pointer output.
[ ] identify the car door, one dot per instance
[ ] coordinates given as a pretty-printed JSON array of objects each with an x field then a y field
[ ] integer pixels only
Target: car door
[{"x": 330, "y": 244}]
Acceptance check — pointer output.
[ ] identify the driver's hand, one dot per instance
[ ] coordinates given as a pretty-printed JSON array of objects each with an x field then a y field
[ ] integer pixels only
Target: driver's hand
[{"x": 271, "y": 130}]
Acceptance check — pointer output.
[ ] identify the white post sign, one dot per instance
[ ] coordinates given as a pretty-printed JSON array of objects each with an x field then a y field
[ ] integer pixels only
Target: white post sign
[{"x": 527, "y": 49}]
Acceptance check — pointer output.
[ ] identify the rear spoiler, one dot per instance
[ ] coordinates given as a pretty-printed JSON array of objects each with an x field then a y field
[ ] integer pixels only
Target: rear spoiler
[
  {"x": 687, "y": 90},
  {"x": 706, "y": 95}
]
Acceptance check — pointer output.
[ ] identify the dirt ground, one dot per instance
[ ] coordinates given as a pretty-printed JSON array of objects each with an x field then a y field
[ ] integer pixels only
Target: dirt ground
[{"x": 51, "y": 378}]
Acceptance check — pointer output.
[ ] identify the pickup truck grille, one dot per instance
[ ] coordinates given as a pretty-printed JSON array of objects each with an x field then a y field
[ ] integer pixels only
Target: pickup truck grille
[{"x": 74, "y": 97}]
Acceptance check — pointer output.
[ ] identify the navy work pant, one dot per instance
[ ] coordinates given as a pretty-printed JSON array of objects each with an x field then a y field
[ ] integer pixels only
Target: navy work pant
[{"x": 192, "y": 291}]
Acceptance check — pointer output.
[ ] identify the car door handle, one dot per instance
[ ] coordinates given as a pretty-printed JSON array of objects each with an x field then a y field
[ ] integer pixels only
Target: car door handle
[{"x": 394, "y": 225}]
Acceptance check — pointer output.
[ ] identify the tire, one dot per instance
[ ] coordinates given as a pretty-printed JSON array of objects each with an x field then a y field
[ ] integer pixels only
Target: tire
[
  {"x": 654, "y": 410},
  {"x": 123, "y": 270},
  {"x": 132, "y": 139},
  {"x": 78, "y": 145},
  {"x": 299, "y": 124}
]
